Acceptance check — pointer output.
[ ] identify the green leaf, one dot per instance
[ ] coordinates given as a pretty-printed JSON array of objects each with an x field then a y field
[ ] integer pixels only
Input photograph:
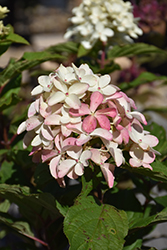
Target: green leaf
[
  {"x": 15, "y": 38},
  {"x": 159, "y": 172},
  {"x": 41, "y": 55},
  {"x": 82, "y": 51},
  {"x": 150, "y": 220},
  {"x": 119, "y": 200},
  {"x": 31, "y": 206},
  {"x": 91, "y": 226},
  {"x": 143, "y": 78},
  {"x": 133, "y": 49},
  {"x": 6, "y": 171},
  {"x": 9, "y": 95},
  {"x": 161, "y": 200},
  {"x": 64, "y": 48},
  {"x": 4, "y": 206},
  {"x": 4, "y": 46},
  {"x": 14, "y": 67},
  {"x": 135, "y": 245}
]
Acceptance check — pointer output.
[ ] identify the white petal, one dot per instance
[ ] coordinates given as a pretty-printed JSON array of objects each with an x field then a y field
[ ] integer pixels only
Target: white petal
[
  {"x": 21, "y": 128},
  {"x": 79, "y": 169},
  {"x": 36, "y": 141},
  {"x": 102, "y": 133},
  {"x": 33, "y": 122},
  {"x": 32, "y": 110},
  {"x": 37, "y": 90},
  {"x": 104, "y": 81},
  {"x": 65, "y": 166},
  {"x": 73, "y": 101},
  {"x": 56, "y": 97},
  {"x": 78, "y": 88},
  {"x": 53, "y": 119},
  {"x": 46, "y": 132},
  {"x": 85, "y": 156}
]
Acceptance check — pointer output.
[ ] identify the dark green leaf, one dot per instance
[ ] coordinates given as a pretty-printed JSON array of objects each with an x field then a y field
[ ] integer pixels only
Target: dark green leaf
[
  {"x": 92, "y": 226},
  {"x": 4, "y": 46},
  {"x": 143, "y": 78},
  {"x": 15, "y": 38},
  {"x": 161, "y": 200},
  {"x": 133, "y": 49},
  {"x": 159, "y": 172},
  {"x": 147, "y": 221},
  {"x": 82, "y": 51}
]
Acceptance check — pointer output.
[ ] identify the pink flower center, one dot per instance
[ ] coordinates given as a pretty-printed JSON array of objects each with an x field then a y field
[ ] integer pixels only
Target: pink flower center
[
  {"x": 67, "y": 94},
  {"x": 99, "y": 88},
  {"x": 140, "y": 140}
]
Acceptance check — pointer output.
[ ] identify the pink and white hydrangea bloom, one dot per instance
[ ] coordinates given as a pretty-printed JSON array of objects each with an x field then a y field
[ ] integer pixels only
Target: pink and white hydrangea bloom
[{"x": 78, "y": 117}]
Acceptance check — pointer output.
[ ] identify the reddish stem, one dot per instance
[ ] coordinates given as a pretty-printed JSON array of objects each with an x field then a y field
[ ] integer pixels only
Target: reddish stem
[
  {"x": 36, "y": 239},
  {"x": 103, "y": 55}
]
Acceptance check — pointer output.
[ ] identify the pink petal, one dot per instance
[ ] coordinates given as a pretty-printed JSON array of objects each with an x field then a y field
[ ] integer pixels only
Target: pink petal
[
  {"x": 74, "y": 152},
  {"x": 33, "y": 122},
  {"x": 112, "y": 112},
  {"x": 53, "y": 119},
  {"x": 65, "y": 131},
  {"x": 65, "y": 167},
  {"x": 96, "y": 99},
  {"x": 135, "y": 162},
  {"x": 83, "y": 110},
  {"x": 53, "y": 166},
  {"x": 103, "y": 121},
  {"x": 70, "y": 141},
  {"x": 48, "y": 154},
  {"x": 82, "y": 139},
  {"x": 140, "y": 117},
  {"x": 102, "y": 133},
  {"x": 89, "y": 124},
  {"x": 107, "y": 170},
  {"x": 96, "y": 157}
]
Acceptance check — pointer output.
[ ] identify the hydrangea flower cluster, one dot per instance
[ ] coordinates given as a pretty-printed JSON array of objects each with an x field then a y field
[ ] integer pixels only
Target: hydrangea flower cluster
[
  {"x": 101, "y": 20},
  {"x": 3, "y": 11},
  {"x": 78, "y": 117}
]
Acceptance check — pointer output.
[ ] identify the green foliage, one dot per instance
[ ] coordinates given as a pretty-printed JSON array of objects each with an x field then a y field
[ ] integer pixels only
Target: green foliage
[{"x": 89, "y": 225}]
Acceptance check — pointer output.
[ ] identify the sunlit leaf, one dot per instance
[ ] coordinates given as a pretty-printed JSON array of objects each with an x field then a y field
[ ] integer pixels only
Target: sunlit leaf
[{"x": 89, "y": 225}]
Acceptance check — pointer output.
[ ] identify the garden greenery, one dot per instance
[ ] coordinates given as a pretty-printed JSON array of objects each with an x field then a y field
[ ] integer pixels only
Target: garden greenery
[{"x": 75, "y": 154}]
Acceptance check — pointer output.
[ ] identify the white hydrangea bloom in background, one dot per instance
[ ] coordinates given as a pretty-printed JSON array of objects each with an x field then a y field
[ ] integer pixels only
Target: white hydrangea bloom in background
[
  {"x": 102, "y": 20},
  {"x": 3, "y": 11}
]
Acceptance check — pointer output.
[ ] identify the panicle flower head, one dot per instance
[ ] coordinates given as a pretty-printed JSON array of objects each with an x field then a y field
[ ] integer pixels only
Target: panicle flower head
[
  {"x": 103, "y": 20},
  {"x": 3, "y": 11},
  {"x": 77, "y": 117}
]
